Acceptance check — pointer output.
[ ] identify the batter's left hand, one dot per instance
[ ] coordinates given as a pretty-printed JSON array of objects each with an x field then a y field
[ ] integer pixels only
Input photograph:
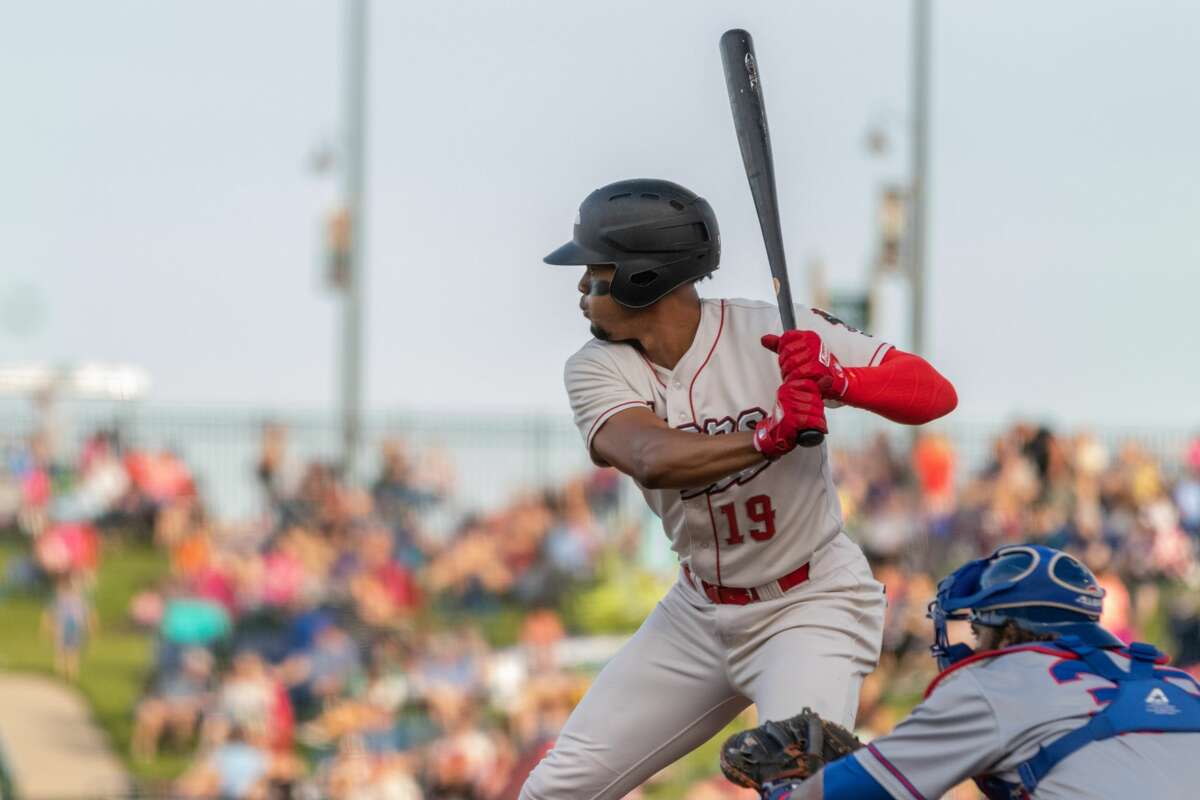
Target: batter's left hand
[
  {"x": 803, "y": 356},
  {"x": 798, "y": 408}
]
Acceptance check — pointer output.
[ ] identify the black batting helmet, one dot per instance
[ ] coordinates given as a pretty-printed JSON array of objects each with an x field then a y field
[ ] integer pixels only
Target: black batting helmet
[{"x": 657, "y": 234}]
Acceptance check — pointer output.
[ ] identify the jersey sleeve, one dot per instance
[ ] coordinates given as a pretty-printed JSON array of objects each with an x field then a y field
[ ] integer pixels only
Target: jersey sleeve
[
  {"x": 598, "y": 391},
  {"x": 852, "y": 347},
  {"x": 950, "y": 737}
]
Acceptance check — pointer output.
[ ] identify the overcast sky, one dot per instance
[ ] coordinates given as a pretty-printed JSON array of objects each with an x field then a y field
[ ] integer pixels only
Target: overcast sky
[{"x": 156, "y": 206}]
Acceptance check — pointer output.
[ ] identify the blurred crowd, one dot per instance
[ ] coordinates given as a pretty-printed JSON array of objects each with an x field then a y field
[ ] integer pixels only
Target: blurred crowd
[
  {"x": 330, "y": 647},
  {"x": 343, "y": 643},
  {"x": 350, "y": 635},
  {"x": 63, "y": 507}
]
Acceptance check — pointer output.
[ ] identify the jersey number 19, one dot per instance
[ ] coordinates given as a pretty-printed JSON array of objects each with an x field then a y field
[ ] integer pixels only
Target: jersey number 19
[{"x": 760, "y": 512}]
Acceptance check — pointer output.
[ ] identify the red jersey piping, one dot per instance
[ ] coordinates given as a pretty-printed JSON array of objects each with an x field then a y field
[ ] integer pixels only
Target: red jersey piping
[
  {"x": 711, "y": 350},
  {"x": 897, "y": 774},
  {"x": 653, "y": 371},
  {"x": 712, "y": 520},
  {"x": 604, "y": 415},
  {"x": 1023, "y": 648},
  {"x": 985, "y": 654},
  {"x": 692, "y": 405}
]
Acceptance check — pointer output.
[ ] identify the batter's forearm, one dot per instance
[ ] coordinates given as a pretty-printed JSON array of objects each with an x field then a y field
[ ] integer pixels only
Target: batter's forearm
[
  {"x": 673, "y": 459},
  {"x": 905, "y": 388}
]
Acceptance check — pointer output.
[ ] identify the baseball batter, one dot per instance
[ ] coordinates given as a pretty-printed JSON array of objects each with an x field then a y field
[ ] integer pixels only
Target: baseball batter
[
  {"x": 701, "y": 403},
  {"x": 1052, "y": 707}
]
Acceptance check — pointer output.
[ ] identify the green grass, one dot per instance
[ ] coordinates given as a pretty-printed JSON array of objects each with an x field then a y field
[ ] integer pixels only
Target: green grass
[{"x": 118, "y": 658}]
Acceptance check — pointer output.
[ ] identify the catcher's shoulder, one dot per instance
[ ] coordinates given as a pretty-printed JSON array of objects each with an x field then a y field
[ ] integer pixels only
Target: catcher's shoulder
[{"x": 995, "y": 668}]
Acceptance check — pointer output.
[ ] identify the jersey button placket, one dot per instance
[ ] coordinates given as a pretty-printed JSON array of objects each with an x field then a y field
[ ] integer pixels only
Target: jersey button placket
[{"x": 678, "y": 401}]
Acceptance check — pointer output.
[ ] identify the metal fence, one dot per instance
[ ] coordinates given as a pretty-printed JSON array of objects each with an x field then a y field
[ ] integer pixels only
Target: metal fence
[{"x": 493, "y": 456}]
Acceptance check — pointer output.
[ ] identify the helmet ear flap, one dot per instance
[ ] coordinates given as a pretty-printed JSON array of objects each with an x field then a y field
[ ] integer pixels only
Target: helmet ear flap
[{"x": 639, "y": 283}]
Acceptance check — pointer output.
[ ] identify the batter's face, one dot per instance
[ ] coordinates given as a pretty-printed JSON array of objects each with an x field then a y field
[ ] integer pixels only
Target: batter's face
[{"x": 610, "y": 321}]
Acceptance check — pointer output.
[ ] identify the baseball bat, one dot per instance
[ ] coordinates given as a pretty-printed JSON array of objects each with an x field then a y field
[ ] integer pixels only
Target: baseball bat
[{"x": 744, "y": 83}]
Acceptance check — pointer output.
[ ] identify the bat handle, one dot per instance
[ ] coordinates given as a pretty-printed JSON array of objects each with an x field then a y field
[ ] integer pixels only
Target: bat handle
[{"x": 810, "y": 438}]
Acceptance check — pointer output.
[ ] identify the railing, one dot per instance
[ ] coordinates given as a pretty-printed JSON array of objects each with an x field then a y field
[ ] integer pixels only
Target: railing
[{"x": 493, "y": 456}]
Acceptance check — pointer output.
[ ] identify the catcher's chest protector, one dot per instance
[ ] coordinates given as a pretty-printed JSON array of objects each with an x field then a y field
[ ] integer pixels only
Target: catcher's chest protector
[{"x": 1142, "y": 701}]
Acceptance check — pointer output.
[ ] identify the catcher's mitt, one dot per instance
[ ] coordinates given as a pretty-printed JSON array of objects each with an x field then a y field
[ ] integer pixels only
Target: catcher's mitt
[{"x": 793, "y": 749}]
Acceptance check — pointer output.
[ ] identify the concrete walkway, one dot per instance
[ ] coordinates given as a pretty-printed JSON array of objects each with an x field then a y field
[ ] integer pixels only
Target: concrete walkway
[{"x": 50, "y": 745}]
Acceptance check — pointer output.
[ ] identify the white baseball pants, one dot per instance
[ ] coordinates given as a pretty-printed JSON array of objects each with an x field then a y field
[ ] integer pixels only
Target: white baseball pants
[{"x": 693, "y": 666}]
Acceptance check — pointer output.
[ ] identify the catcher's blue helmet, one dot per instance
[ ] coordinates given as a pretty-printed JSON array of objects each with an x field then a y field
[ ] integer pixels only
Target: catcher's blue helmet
[{"x": 1038, "y": 588}]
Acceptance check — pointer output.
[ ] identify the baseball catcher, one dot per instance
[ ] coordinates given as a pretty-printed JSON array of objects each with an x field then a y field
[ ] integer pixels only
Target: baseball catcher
[{"x": 1050, "y": 705}]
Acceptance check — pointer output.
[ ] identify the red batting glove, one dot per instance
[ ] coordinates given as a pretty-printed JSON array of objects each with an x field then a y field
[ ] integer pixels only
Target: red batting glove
[
  {"x": 802, "y": 355},
  {"x": 798, "y": 407}
]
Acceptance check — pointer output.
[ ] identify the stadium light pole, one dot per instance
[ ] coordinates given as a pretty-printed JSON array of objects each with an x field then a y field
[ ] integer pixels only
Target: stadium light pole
[
  {"x": 918, "y": 181},
  {"x": 354, "y": 122}
]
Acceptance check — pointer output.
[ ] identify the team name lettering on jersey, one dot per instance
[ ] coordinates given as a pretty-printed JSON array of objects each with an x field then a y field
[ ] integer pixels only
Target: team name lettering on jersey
[{"x": 745, "y": 422}]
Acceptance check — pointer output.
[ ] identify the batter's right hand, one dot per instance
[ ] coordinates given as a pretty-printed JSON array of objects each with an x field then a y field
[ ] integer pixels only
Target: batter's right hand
[
  {"x": 798, "y": 407},
  {"x": 802, "y": 354}
]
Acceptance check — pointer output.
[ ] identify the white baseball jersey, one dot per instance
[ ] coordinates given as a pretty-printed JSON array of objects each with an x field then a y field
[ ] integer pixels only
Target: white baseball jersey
[
  {"x": 694, "y": 664},
  {"x": 755, "y": 526},
  {"x": 984, "y": 718}
]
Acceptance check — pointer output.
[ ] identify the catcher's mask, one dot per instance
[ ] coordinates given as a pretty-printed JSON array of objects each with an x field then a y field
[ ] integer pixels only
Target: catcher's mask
[{"x": 1038, "y": 588}]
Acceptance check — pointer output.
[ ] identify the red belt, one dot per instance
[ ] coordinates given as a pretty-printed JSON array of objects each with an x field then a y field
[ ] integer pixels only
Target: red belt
[{"x": 740, "y": 597}]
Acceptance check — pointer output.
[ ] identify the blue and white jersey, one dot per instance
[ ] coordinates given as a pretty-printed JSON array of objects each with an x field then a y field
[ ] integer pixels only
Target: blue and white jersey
[{"x": 986, "y": 715}]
